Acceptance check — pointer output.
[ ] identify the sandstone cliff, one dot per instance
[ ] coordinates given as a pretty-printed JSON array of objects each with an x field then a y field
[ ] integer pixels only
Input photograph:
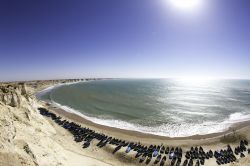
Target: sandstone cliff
[{"x": 26, "y": 138}]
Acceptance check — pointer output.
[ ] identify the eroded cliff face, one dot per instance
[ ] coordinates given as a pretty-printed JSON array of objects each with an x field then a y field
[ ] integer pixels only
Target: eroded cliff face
[
  {"x": 11, "y": 94},
  {"x": 26, "y": 138}
]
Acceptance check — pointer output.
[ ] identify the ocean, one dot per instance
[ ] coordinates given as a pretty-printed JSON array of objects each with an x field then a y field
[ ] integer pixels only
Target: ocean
[{"x": 166, "y": 107}]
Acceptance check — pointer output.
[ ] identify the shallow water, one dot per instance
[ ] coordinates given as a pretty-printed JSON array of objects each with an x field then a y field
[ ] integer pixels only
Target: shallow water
[{"x": 168, "y": 107}]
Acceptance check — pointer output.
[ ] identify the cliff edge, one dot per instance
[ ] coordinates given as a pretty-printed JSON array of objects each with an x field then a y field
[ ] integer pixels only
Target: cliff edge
[{"x": 25, "y": 136}]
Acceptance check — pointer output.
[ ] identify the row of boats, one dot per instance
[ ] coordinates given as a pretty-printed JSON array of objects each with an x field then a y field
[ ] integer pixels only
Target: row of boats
[{"x": 156, "y": 154}]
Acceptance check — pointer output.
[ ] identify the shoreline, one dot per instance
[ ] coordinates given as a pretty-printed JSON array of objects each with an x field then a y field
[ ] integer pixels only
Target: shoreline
[
  {"x": 234, "y": 128},
  {"x": 29, "y": 139},
  {"x": 29, "y": 134},
  {"x": 76, "y": 118}
]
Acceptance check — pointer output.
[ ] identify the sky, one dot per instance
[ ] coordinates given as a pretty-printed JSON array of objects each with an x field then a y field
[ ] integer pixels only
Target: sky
[{"x": 53, "y": 39}]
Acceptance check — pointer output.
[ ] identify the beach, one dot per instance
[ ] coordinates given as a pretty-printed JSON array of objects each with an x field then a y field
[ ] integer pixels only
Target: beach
[
  {"x": 163, "y": 107},
  {"x": 213, "y": 141},
  {"x": 66, "y": 151}
]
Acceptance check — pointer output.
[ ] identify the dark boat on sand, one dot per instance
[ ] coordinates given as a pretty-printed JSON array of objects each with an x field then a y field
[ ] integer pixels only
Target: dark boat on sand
[
  {"x": 163, "y": 160},
  {"x": 157, "y": 160}
]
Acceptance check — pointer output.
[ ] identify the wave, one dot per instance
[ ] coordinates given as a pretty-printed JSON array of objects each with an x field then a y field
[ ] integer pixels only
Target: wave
[
  {"x": 238, "y": 117},
  {"x": 173, "y": 116},
  {"x": 198, "y": 113},
  {"x": 50, "y": 88},
  {"x": 169, "y": 130}
]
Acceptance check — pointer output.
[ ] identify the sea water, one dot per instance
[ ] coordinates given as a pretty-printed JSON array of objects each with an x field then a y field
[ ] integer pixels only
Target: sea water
[{"x": 166, "y": 107}]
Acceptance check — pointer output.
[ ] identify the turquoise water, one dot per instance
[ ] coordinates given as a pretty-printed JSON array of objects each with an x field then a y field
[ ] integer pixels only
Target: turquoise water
[{"x": 168, "y": 107}]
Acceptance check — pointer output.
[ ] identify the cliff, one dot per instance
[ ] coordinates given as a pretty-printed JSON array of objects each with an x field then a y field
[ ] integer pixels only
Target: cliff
[{"x": 26, "y": 138}]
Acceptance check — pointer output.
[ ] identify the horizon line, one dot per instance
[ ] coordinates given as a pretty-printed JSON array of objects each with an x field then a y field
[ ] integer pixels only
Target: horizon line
[{"x": 170, "y": 77}]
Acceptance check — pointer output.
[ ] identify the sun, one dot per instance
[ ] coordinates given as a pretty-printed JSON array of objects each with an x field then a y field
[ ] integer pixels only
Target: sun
[
  {"x": 195, "y": 81},
  {"x": 186, "y": 5}
]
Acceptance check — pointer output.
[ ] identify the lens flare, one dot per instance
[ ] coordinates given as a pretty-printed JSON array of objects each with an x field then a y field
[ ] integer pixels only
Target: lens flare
[{"x": 186, "y": 4}]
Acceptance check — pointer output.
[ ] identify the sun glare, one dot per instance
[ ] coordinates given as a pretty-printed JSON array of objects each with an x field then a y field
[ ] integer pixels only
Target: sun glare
[
  {"x": 186, "y": 4},
  {"x": 195, "y": 80}
]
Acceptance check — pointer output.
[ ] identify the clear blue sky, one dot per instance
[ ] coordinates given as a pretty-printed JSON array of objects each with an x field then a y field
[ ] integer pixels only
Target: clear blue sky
[{"x": 46, "y": 39}]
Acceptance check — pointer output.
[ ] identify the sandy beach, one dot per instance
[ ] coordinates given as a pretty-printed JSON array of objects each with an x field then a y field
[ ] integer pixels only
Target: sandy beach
[
  {"x": 40, "y": 141},
  {"x": 213, "y": 141}
]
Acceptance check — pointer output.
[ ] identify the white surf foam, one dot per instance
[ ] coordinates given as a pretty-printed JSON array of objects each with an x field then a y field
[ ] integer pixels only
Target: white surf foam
[
  {"x": 198, "y": 113},
  {"x": 237, "y": 117},
  {"x": 48, "y": 89},
  {"x": 170, "y": 130},
  {"x": 182, "y": 129}
]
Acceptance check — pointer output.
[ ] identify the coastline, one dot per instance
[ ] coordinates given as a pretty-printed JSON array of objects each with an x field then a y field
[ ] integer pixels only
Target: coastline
[
  {"x": 39, "y": 139},
  {"x": 78, "y": 117},
  {"x": 29, "y": 139},
  {"x": 214, "y": 142},
  {"x": 148, "y": 139}
]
